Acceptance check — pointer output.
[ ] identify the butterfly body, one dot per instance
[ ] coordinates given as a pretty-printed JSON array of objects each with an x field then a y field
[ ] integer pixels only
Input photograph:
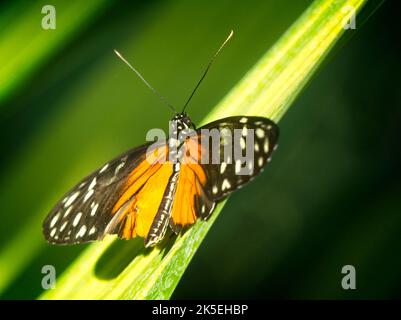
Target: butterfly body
[{"x": 164, "y": 184}]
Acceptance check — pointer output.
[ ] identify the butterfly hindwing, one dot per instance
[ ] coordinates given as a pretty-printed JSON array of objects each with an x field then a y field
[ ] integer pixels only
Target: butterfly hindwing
[
  {"x": 84, "y": 212},
  {"x": 191, "y": 200}
]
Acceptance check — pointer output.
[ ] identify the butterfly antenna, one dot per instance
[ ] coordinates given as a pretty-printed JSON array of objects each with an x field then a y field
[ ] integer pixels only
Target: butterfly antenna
[
  {"x": 207, "y": 69},
  {"x": 162, "y": 98}
]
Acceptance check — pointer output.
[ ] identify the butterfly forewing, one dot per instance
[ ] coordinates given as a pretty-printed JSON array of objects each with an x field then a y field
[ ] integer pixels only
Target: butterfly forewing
[
  {"x": 85, "y": 211},
  {"x": 244, "y": 148}
]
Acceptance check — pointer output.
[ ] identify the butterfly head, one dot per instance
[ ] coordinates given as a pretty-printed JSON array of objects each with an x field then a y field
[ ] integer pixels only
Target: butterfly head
[{"x": 181, "y": 121}]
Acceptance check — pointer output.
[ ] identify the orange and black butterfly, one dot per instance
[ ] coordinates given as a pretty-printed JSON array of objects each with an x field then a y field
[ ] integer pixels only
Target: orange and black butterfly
[{"x": 164, "y": 184}]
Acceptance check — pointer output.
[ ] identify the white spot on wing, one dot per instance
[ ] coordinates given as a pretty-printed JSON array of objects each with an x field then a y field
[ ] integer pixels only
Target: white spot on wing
[
  {"x": 54, "y": 220},
  {"x": 243, "y": 120},
  {"x": 94, "y": 208},
  {"x": 92, "y": 230},
  {"x": 88, "y": 194},
  {"x": 68, "y": 211},
  {"x": 119, "y": 167},
  {"x": 225, "y": 185},
  {"x": 63, "y": 226},
  {"x": 71, "y": 199},
  {"x": 260, "y": 161},
  {"x": 266, "y": 146},
  {"x": 223, "y": 167},
  {"x": 76, "y": 219},
  {"x": 104, "y": 168},
  {"x": 260, "y": 133},
  {"x": 93, "y": 183},
  {"x": 53, "y": 232},
  {"x": 81, "y": 232},
  {"x": 256, "y": 147},
  {"x": 215, "y": 190}
]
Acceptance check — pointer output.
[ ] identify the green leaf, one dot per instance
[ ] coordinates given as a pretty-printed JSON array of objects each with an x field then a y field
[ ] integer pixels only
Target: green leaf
[
  {"x": 116, "y": 269},
  {"x": 26, "y": 46}
]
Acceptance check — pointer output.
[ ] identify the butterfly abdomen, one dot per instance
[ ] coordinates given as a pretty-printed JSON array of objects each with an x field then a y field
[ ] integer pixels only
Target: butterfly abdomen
[{"x": 163, "y": 215}]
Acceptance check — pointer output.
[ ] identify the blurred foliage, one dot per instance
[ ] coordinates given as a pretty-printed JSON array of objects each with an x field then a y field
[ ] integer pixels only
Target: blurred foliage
[
  {"x": 330, "y": 197},
  {"x": 24, "y": 47}
]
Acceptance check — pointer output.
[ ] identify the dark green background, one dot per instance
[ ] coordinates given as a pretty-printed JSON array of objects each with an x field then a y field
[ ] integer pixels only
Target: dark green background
[{"x": 330, "y": 197}]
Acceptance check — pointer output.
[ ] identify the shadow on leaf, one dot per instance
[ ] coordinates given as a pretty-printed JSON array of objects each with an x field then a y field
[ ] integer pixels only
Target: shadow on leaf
[
  {"x": 121, "y": 253},
  {"x": 117, "y": 257}
]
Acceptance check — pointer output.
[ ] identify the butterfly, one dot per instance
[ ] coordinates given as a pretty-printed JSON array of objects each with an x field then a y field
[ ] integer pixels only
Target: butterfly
[{"x": 167, "y": 183}]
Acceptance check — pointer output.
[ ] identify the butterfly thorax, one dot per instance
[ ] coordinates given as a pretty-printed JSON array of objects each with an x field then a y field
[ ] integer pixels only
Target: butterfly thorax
[{"x": 181, "y": 127}]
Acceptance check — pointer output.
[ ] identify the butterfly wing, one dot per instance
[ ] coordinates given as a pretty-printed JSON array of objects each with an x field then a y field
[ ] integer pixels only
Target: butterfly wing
[
  {"x": 138, "y": 206},
  {"x": 246, "y": 145},
  {"x": 89, "y": 210},
  {"x": 192, "y": 199},
  {"x": 209, "y": 170}
]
